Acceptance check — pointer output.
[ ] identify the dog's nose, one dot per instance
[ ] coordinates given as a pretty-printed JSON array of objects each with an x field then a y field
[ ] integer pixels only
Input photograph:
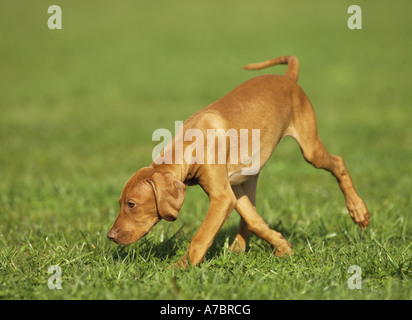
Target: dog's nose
[{"x": 112, "y": 235}]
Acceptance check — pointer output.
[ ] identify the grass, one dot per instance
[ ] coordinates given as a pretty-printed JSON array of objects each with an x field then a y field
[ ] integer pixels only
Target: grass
[{"x": 78, "y": 107}]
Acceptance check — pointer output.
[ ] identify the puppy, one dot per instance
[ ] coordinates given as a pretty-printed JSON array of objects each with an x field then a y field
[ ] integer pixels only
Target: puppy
[{"x": 262, "y": 111}]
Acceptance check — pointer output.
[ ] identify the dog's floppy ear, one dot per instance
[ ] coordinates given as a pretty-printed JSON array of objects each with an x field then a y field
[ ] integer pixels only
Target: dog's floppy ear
[{"x": 169, "y": 194}]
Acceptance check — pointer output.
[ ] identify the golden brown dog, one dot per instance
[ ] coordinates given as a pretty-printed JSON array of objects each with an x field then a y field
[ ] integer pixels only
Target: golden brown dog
[{"x": 277, "y": 107}]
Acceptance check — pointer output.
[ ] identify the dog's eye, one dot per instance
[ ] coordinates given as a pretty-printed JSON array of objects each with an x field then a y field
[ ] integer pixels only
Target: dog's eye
[{"x": 131, "y": 204}]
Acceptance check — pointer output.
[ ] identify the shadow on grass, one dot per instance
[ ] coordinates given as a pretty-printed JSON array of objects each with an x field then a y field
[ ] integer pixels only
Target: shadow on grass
[
  {"x": 175, "y": 246},
  {"x": 147, "y": 248}
]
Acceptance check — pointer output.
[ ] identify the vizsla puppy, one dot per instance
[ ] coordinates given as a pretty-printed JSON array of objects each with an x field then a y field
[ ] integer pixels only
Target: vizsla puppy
[{"x": 276, "y": 106}]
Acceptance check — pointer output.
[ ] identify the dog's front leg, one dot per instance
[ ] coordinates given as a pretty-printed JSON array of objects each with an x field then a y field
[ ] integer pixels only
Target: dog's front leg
[
  {"x": 219, "y": 209},
  {"x": 222, "y": 203}
]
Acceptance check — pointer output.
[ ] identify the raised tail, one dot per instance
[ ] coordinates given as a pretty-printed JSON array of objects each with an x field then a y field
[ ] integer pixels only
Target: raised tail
[{"x": 292, "y": 62}]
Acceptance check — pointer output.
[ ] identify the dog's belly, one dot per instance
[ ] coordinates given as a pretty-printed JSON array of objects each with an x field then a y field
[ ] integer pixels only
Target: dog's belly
[{"x": 236, "y": 177}]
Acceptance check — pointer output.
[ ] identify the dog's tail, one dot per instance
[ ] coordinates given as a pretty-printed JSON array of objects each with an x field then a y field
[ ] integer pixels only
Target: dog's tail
[{"x": 292, "y": 62}]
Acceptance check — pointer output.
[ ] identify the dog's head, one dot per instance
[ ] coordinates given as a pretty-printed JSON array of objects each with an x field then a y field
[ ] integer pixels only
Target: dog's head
[{"x": 147, "y": 197}]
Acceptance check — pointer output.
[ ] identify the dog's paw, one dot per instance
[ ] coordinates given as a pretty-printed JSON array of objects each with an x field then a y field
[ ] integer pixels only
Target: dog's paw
[
  {"x": 284, "y": 248},
  {"x": 182, "y": 264},
  {"x": 238, "y": 246},
  {"x": 360, "y": 214}
]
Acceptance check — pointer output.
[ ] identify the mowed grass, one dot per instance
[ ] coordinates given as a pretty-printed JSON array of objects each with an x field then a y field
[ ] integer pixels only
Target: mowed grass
[{"x": 79, "y": 106}]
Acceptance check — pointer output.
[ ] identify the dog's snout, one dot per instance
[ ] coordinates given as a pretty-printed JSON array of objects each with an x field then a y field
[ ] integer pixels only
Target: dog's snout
[{"x": 112, "y": 235}]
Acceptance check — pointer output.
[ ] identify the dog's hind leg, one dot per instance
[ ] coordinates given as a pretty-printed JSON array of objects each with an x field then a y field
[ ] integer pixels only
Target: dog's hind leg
[
  {"x": 306, "y": 134},
  {"x": 253, "y": 222},
  {"x": 249, "y": 187}
]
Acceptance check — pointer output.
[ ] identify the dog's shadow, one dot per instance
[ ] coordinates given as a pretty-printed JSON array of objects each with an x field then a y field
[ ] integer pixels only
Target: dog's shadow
[
  {"x": 147, "y": 247},
  {"x": 175, "y": 246}
]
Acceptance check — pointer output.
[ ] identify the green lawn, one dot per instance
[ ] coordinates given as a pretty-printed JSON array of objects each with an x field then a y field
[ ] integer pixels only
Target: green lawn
[{"x": 78, "y": 107}]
